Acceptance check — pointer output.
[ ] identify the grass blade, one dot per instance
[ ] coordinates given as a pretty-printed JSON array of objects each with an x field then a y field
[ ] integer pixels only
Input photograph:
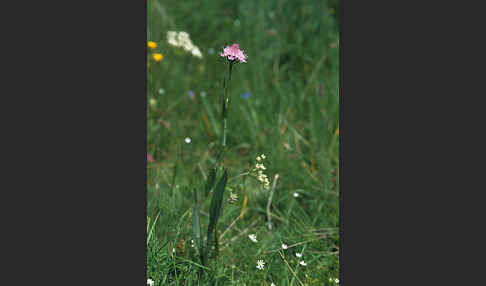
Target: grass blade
[
  {"x": 196, "y": 229},
  {"x": 215, "y": 207},
  {"x": 210, "y": 181},
  {"x": 151, "y": 231}
]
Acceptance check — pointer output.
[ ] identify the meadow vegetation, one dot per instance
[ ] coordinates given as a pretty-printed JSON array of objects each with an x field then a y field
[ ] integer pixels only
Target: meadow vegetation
[{"x": 283, "y": 103}]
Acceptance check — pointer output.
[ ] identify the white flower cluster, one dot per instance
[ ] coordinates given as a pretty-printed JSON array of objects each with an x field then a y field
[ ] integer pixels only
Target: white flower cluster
[
  {"x": 182, "y": 39},
  {"x": 260, "y": 264},
  {"x": 302, "y": 262},
  {"x": 259, "y": 167},
  {"x": 253, "y": 238}
]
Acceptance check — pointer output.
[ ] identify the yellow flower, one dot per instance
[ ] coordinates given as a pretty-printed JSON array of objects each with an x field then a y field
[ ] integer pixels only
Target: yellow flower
[
  {"x": 151, "y": 44},
  {"x": 157, "y": 57}
]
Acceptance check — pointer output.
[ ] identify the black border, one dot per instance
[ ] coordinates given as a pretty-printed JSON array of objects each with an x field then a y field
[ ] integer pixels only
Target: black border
[{"x": 79, "y": 150}]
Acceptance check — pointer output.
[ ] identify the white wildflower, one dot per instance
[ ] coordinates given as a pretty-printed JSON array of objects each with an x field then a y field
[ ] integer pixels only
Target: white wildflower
[
  {"x": 150, "y": 282},
  {"x": 273, "y": 284},
  {"x": 336, "y": 280},
  {"x": 196, "y": 52},
  {"x": 298, "y": 255},
  {"x": 253, "y": 238},
  {"x": 171, "y": 38},
  {"x": 260, "y": 264},
  {"x": 183, "y": 40},
  {"x": 161, "y": 91},
  {"x": 259, "y": 167},
  {"x": 284, "y": 246},
  {"x": 296, "y": 195},
  {"x": 303, "y": 263},
  {"x": 192, "y": 242},
  {"x": 187, "y": 140}
]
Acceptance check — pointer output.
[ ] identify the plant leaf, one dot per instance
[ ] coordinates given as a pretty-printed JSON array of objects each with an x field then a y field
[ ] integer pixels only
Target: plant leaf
[
  {"x": 215, "y": 207},
  {"x": 196, "y": 229},
  {"x": 210, "y": 181},
  {"x": 151, "y": 231}
]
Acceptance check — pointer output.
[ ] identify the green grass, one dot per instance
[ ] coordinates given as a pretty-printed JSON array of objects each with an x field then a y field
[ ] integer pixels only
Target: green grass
[{"x": 291, "y": 117}]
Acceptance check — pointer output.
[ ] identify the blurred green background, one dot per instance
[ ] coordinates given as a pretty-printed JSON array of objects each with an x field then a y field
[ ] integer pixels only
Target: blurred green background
[{"x": 283, "y": 103}]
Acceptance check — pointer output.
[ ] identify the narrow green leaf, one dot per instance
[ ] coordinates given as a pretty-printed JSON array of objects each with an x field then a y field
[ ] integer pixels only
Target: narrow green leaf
[
  {"x": 174, "y": 175},
  {"x": 215, "y": 207},
  {"x": 196, "y": 229},
  {"x": 151, "y": 231},
  {"x": 210, "y": 181}
]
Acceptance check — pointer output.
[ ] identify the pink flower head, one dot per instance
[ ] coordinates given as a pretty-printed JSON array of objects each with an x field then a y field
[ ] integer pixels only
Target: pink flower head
[{"x": 234, "y": 53}]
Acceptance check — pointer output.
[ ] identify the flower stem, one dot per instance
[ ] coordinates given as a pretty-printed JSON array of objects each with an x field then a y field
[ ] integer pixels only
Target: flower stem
[{"x": 224, "y": 114}]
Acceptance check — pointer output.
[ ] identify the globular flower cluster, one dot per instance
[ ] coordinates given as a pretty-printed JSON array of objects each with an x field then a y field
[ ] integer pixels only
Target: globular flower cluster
[
  {"x": 233, "y": 53},
  {"x": 181, "y": 39},
  {"x": 258, "y": 172}
]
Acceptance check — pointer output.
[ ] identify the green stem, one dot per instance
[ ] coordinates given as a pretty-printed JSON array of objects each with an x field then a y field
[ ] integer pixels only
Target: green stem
[{"x": 224, "y": 114}]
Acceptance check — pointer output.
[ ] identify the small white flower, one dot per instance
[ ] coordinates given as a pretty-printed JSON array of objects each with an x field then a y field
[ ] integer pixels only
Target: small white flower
[
  {"x": 303, "y": 263},
  {"x": 284, "y": 246},
  {"x": 258, "y": 159},
  {"x": 260, "y": 264},
  {"x": 188, "y": 140},
  {"x": 298, "y": 255},
  {"x": 152, "y": 102},
  {"x": 192, "y": 242},
  {"x": 161, "y": 91},
  {"x": 173, "y": 250},
  {"x": 296, "y": 195},
  {"x": 336, "y": 280},
  {"x": 263, "y": 156},
  {"x": 273, "y": 284},
  {"x": 183, "y": 40},
  {"x": 253, "y": 238},
  {"x": 150, "y": 282},
  {"x": 196, "y": 52}
]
